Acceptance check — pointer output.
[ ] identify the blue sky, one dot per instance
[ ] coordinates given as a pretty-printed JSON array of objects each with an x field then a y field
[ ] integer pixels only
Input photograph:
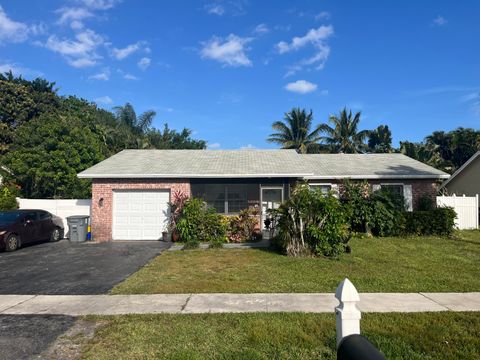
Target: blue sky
[{"x": 228, "y": 69}]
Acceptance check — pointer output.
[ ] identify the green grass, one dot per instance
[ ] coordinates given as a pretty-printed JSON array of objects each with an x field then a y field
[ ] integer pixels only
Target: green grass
[
  {"x": 428, "y": 264},
  {"x": 280, "y": 336}
]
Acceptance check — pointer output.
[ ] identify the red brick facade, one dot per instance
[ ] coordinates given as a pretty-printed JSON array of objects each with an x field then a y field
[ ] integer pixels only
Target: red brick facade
[{"x": 103, "y": 189}]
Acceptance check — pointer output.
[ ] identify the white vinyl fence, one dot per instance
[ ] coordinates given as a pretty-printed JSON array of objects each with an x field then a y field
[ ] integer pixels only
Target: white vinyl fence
[
  {"x": 61, "y": 208},
  {"x": 466, "y": 208}
]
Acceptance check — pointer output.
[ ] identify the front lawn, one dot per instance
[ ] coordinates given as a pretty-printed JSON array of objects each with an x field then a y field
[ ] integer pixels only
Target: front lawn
[
  {"x": 423, "y": 264},
  {"x": 280, "y": 336}
]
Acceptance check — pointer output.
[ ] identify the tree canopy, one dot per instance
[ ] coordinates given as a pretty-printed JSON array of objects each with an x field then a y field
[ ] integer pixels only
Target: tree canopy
[{"x": 46, "y": 139}]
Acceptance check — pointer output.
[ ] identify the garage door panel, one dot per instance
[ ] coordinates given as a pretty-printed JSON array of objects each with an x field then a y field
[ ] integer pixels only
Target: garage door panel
[{"x": 140, "y": 215}]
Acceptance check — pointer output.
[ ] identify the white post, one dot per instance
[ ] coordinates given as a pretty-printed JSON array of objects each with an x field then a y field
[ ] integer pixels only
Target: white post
[
  {"x": 476, "y": 211},
  {"x": 347, "y": 313}
]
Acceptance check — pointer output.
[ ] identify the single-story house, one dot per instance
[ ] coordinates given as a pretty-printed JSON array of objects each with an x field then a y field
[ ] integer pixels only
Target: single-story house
[
  {"x": 131, "y": 190},
  {"x": 466, "y": 180}
]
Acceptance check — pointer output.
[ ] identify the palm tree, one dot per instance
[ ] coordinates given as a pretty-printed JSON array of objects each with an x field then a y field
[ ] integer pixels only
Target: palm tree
[
  {"x": 343, "y": 136},
  {"x": 294, "y": 132},
  {"x": 133, "y": 128},
  {"x": 380, "y": 140}
]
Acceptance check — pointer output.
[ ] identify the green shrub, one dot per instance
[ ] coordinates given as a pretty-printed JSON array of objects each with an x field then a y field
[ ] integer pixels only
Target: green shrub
[
  {"x": 8, "y": 200},
  {"x": 426, "y": 203},
  {"x": 311, "y": 222},
  {"x": 243, "y": 227},
  {"x": 199, "y": 223},
  {"x": 440, "y": 221},
  {"x": 376, "y": 213}
]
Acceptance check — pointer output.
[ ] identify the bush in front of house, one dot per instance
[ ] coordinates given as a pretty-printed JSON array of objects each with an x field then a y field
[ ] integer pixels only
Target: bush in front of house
[
  {"x": 8, "y": 200},
  {"x": 199, "y": 223},
  {"x": 439, "y": 221},
  {"x": 311, "y": 223},
  {"x": 244, "y": 226},
  {"x": 377, "y": 213}
]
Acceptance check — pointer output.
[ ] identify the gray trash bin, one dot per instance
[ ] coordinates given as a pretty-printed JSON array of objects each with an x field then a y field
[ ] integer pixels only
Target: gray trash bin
[{"x": 78, "y": 227}]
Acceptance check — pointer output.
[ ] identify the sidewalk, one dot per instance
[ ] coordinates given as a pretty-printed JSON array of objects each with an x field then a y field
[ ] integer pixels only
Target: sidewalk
[{"x": 76, "y": 305}]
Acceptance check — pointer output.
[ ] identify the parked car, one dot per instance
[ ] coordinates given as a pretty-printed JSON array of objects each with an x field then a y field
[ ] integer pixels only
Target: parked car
[{"x": 20, "y": 227}]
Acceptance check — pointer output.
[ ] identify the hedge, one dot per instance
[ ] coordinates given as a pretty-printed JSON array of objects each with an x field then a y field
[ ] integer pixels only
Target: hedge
[{"x": 440, "y": 221}]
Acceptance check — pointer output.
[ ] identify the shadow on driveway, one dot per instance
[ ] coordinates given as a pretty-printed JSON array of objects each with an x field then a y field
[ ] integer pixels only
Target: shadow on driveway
[{"x": 66, "y": 268}]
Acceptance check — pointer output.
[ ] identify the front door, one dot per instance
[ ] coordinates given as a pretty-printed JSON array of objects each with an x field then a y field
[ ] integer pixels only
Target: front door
[{"x": 272, "y": 197}]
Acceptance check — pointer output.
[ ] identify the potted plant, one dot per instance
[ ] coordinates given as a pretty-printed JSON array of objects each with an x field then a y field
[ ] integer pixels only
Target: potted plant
[{"x": 165, "y": 235}]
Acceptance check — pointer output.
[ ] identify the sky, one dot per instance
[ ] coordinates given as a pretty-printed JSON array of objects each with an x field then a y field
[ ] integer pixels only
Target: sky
[{"x": 227, "y": 69}]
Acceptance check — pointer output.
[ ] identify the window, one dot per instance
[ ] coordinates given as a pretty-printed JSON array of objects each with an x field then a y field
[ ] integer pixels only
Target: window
[
  {"x": 324, "y": 188},
  {"x": 224, "y": 198},
  {"x": 31, "y": 216},
  {"x": 44, "y": 215},
  {"x": 237, "y": 198},
  {"x": 395, "y": 189},
  {"x": 214, "y": 195}
]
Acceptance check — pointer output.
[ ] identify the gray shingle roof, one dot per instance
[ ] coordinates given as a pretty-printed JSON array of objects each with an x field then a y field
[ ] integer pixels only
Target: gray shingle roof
[
  {"x": 369, "y": 166},
  {"x": 199, "y": 163},
  {"x": 257, "y": 163}
]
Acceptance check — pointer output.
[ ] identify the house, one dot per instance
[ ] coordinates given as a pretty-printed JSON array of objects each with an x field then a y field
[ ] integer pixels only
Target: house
[
  {"x": 131, "y": 190},
  {"x": 466, "y": 180}
]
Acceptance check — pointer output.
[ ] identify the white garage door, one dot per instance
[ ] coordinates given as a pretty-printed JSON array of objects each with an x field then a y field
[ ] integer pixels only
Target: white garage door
[{"x": 140, "y": 215}]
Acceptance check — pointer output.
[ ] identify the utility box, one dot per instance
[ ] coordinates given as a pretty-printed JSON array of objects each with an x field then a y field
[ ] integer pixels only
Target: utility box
[{"x": 78, "y": 228}]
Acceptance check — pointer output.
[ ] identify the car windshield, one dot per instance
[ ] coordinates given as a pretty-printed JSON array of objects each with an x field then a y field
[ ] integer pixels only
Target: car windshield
[{"x": 9, "y": 217}]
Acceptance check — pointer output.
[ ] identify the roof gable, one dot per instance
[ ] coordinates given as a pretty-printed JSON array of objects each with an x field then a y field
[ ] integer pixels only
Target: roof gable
[{"x": 461, "y": 168}]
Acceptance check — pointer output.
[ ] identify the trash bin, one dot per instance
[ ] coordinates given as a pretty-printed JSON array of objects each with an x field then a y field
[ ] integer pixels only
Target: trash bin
[{"x": 78, "y": 227}]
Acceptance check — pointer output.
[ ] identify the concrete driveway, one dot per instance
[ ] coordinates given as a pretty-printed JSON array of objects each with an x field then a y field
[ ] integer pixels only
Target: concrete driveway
[{"x": 66, "y": 268}]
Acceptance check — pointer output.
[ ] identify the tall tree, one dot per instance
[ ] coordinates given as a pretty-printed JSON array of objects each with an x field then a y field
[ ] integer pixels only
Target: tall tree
[
  {"x": 343, "y": 136},
  {"x": 380, "y": 140},
  {"x": 295, "y": 131},
  {"x": 133, "y": 128},
  {"x": 172, "y": 139}
]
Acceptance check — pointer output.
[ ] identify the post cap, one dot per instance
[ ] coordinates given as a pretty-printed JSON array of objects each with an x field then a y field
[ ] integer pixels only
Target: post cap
[{"x": 346, "y": 291}]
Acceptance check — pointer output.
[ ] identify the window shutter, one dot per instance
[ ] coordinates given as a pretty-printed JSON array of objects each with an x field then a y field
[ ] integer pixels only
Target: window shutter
[
  {"x": 408, "y": 195},
  {"x": 376, "y": 187}
]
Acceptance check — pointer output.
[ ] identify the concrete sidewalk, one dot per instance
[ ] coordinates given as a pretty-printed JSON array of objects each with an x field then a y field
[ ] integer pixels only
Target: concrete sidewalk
[{"x": 75, "y": 305}]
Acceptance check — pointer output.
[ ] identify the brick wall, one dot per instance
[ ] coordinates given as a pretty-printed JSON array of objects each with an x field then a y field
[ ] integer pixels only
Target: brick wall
[{"x": 103, "y": 188}]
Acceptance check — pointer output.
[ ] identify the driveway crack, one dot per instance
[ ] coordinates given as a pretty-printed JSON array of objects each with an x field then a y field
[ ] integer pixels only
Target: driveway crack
[{"x": 436, "y": 302}]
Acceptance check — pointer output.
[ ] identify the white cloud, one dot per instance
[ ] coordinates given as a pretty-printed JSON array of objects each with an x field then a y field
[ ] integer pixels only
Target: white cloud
[
  {"x": 324, "y": 15},
  {"x": 301, "y": 87},
  {"x": 69, "y": 14},
  {"x": 215, "y": 9},
  {"x": 121, "y": 54},
  {"x": 324, "y": 92},
  {"x": 10, "y": 30},
  {"x": 105, "y": 100},
  {"x": 100, "y": 4},
  {"x": 103, "y": 75},
  {"x": 230, "y": 52},
  {"x": 81, "y": 62},
  {"x": 439, "y": 21},
  {"x": 128, "y": 76},
  {"x": 314, "y": 37},
  {"x": 144, "y": 63},
  {"x": 79, "y": 52},
  {"x": 214, "y": 145},
  {"x": 261, "y": 29}
]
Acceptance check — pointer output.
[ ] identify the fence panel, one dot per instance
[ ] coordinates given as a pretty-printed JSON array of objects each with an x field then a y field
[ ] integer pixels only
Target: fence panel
[
  {"x": 61, "y": 208},
  {"x": 466, "y": 208}
]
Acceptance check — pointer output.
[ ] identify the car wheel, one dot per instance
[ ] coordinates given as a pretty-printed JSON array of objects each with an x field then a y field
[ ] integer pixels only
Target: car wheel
[
  {"x": 12, "y": 243},
  {"x": 56, "y": 235}
]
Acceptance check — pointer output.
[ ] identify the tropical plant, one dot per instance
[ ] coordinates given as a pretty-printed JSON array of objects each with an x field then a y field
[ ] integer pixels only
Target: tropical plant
[
  {"x": 179, "y": 198},
  {"x": 310, "y": 222},
  {"x": 380, "y": 140},
  {"x": 243, "y": 227},
  {"x": 199, "y": 223},
  {"x": 343, "y": 136},
  {"x": 295, "y": 131},
  {"x": 7, "y": 199}
]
